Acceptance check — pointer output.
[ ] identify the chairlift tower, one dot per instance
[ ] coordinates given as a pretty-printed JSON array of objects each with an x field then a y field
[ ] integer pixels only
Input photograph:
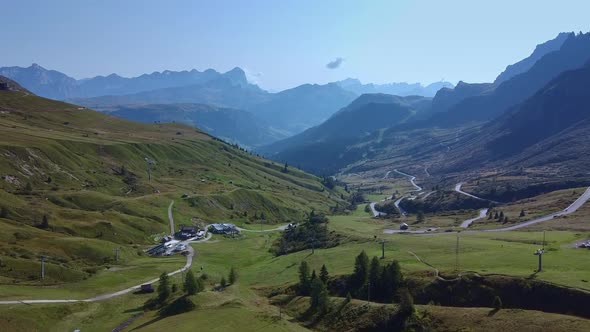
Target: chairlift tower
[
  {"x": 540, "y": 252},
  {"x": 42, "y": 267},
  {"x": 150, "y": 163},
  {"x": 457, "y": 254}
]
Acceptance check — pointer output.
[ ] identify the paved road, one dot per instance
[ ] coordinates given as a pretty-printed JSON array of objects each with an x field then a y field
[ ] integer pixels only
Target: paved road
[
  {"x": 171, "y": 218},
  {"x": 482, "y": 214},
  {"x": 189, "y": 262},
  {"x": 279, "y": 228},
  {"x": 458, "y": 189},
  {"x": 570, "y": 209},
  {"x": 412, "y": 178}
]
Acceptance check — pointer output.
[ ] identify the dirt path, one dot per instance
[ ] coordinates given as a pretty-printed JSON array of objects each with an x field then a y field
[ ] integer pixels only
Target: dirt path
[{"x": 171, "y": 218}]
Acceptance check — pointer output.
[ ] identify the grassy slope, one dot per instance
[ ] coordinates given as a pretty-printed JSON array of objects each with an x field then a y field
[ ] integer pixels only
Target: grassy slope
[
  {"x": 92, "y": 210},
  {"x": 243, "y": 306}
]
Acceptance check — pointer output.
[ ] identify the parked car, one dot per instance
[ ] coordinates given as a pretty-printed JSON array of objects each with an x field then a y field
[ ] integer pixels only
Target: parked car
[{"x": 146, "y": 288}]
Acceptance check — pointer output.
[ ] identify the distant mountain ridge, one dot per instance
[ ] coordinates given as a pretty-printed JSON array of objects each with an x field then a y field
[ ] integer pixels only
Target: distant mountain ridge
[
  {"x": 399, "y": 89},
  {"x": 540, "y": 51},
  {"x": 56, "y": 85},
  {"x": 495, "y": 100},
  {"x": 231, "y": 125},
  {"x": 321, "y": 147}
]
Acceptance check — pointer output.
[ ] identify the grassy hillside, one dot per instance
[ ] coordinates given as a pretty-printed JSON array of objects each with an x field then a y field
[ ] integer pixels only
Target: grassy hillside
[{"x": 86, "y": 173}]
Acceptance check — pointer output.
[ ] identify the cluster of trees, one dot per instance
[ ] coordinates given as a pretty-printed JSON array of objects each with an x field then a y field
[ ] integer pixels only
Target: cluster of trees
[
  {"x": 369, "y": 281},
  {"x": 329, "y": 182},
  {"x": 314, "y": 286},
  {"x": 373, "y": 281},
  {"x": 499, "y": 216},
  {"x": 232, "y": 278},
  {"x": 311, "y": 234}
]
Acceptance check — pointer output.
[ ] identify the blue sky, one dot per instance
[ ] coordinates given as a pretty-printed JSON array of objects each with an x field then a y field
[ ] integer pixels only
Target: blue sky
[{"x": 283, "y": 43}]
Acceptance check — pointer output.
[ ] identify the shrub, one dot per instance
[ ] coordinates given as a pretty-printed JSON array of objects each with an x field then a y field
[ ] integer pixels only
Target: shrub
[{"x": 178, "y": 306}]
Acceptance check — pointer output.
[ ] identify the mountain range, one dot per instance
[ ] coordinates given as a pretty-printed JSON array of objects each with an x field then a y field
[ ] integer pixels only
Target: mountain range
[
  {"x": 536, "y": 102},
  {"x": 398, "y": 89},
  {"x": 278, "y": 115}
]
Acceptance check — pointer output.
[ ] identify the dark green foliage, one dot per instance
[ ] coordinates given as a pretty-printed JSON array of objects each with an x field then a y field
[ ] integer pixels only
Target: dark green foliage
[
  {"x": 406, "y": 303},
  {"x": 223, "y": 282},
  {"x": 44, "y": 222},
  {"x": 178, "y": 306},
  {"x": 522, "y": 214},
  {"x": 4, "y": 212},
  {"x": 358, "y": 279},
  {"x": 324, "y": 274},
  {"x": 233, "y": 276},
  {"x": 191, "y": 286},
  {"x": 174, "y": 288},
  {"x": 163, "y": 288},
  {"x": 357, "y": 198},
  {"x": 319, "y": 296},
  {"x": 285, "y": 168},
  {"x": 496, "y": 215},
  {"x": 497, "y": 303},
  {"x": 313, "y": 276},
  {"x": 304, "y": 279},
  {"x": 374, "y": 280},
  {"x": 329, "y": 182},
  {"x": 28, "y": 188},
  {"x": 310, "y": 234},
  {"x": 420, "y": 217}
]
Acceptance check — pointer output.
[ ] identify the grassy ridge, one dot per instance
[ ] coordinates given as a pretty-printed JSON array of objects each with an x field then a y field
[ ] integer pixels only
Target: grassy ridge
[{"x": 87, "y": 173}]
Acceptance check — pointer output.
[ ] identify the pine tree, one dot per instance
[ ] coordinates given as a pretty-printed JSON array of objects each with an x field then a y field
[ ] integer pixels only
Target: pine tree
[
  {"x": 522, "y": 214},
  {"x": 361, "y": 271},
  {"x": 233, "y": 276},
  {"x": 223, "y": 282},
  {"x": 319, "y": 296},
  {"x": 163, "y": 288},
  {"x": 420, "y": 217},
  {"x": 190, "y": 283},
  {"x": 496, "y": 215},
  {"x": 375, "y": 277},
  {"x": 313, "y": 276},
  {"x": 324, "y": 276},
  {"x": 44, "y": 222},
  {"x": 501, "y": 215},
  {"x": 406, "y": 302},
  {"x": 200, "y": 284},
  {"x": 490, "y": 214},
  {"x": 304, "y": 281}
]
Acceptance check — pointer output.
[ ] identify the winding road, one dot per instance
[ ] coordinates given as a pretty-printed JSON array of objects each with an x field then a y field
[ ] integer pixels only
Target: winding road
[
  {"x": 570, "y": 209},
  {"x": 458, "y": 189},
  {"x": 482, "y": 214},
  {"x": 187, "y": 265}
]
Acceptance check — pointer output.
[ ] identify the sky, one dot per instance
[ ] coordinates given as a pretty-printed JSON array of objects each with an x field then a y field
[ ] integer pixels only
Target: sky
[{"x": 284, "y": 43}]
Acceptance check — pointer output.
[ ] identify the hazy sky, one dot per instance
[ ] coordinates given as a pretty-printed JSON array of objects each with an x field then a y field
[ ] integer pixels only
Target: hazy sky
[{"x": 283, "y": 43}]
